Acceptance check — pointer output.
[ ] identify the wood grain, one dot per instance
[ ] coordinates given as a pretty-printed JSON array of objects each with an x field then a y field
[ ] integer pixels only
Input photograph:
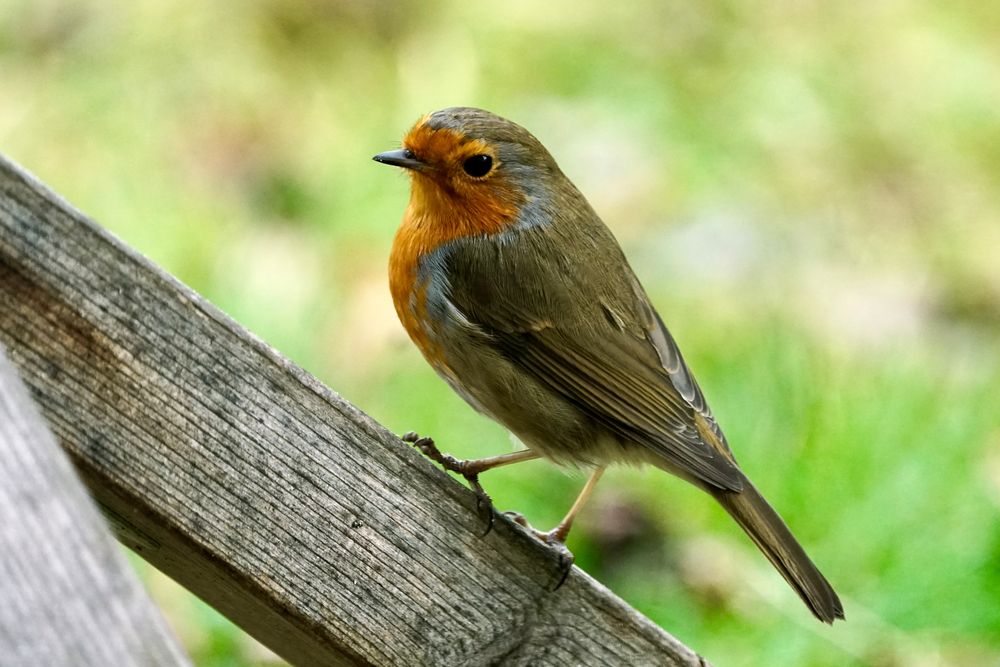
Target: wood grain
[
  {"x": 67, "y": 595},
  {"x": 264, "y": 492}
]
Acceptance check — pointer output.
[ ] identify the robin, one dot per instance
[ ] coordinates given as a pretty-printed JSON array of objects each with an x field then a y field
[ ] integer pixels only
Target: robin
[{"x": 522, "y": 300}]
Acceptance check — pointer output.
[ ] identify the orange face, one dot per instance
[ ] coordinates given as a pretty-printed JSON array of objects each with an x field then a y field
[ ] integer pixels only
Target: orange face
[
  {"x": 458, "y": 189},
  {"x": 451, "y": 190}
]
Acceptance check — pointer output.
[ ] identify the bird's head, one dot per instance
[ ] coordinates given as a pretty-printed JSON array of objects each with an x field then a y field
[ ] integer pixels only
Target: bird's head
[{"x": 471, "y": 163}]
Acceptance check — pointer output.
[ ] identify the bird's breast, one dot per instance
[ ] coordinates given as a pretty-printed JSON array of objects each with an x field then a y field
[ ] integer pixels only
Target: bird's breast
[
  {"x": 409, "y": 294},
  {"x": 433, "y": 219}
]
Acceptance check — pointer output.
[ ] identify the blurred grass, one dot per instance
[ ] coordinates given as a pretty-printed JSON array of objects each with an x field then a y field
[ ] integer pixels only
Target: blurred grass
[{"x": 808, "y": 190}]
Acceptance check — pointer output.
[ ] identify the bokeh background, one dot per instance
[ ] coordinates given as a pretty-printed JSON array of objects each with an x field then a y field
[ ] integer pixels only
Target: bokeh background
[{"x": 809, "y": 191}]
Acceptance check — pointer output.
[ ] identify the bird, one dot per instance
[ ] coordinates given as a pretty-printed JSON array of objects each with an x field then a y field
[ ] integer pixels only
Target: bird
[{"x": 522, "y": 300}]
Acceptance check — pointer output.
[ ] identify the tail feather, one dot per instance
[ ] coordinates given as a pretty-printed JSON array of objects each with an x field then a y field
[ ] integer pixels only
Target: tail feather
[{"x": 772, "y": 537}]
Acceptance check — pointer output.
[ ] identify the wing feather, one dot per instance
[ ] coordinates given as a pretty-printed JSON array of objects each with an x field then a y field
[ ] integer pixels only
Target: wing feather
[{"x": 623, "y": 370}]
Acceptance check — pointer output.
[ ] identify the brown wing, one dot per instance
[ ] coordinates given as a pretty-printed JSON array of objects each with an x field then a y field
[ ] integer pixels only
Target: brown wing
[
  {"x": 680, "y": 376},
  {"x": 607, "y": 353}
]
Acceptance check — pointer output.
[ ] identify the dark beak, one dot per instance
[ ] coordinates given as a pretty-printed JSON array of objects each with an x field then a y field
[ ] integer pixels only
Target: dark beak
[{"x": 404, "y": 157}]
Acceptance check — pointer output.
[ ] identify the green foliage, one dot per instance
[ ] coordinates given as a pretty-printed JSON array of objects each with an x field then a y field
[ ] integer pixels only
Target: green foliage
[{"x": 808, "y": 191}]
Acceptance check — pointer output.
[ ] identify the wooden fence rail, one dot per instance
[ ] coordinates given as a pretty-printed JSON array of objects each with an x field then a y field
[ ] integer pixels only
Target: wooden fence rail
[
  {"x": 67, "y": 596},
  {"x": 264, "y": 492}
]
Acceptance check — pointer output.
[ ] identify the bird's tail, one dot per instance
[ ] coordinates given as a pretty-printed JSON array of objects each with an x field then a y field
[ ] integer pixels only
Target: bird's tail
[{"x": 772, "y": 536}]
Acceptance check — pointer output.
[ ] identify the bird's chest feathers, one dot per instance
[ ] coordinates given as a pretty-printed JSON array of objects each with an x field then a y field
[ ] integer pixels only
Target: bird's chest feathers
[{"x": 433, "y": 219}]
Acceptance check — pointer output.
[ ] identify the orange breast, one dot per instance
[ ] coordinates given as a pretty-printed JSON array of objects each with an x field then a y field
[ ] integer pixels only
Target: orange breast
[{"x": 433, "y": 218}]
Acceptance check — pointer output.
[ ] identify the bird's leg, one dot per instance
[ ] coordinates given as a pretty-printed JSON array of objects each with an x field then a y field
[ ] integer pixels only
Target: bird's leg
[
  {"x": 558, "y": 534},
  {"x": 470, "y": 469},
  {"x": 556, "y": 537}
]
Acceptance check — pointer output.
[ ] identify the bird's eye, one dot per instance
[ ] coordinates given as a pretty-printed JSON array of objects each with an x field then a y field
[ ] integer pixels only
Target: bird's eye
[{"x": 478, "y": 166}]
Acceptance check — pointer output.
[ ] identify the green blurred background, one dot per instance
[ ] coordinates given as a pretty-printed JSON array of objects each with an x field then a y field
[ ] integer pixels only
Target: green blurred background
[{"x": 808, "y": 190}]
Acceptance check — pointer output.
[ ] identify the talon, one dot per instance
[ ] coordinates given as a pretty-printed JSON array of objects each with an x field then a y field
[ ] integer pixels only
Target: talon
[
  {"x": 566, "y": 559},
  {"x": 484, "y": 505},
  {"x": 563, "y": 554},
  {"x": 552, "y": 539}
]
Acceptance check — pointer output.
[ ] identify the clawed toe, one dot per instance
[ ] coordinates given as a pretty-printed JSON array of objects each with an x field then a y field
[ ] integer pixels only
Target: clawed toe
[
  {"x": 563, "y": 554},
  {"x": 470, "y": 469},
  {"x": 552, "y": 539},
  {"x": 566, "y": 559},
  {"x": 484, "y": 505},
  {"x": 517, "y": 518},
  {"x": 426, "y": 446}
]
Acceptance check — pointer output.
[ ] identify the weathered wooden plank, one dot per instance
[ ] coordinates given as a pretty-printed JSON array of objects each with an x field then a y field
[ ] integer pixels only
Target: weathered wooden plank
[
  {"x": 264, "y": 492},
  {"x": 67, "y": 596}
]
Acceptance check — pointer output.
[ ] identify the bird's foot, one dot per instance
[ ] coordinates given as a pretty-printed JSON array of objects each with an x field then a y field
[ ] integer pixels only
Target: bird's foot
[
  {"x": 466, "y": 468},
  {"x": 554, "y": 539}
]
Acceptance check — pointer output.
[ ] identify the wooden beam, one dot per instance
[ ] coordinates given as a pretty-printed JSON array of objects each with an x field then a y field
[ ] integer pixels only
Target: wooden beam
[
  {"x": 264, "y": 492},
  {"x": 68, "y": 595}
]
